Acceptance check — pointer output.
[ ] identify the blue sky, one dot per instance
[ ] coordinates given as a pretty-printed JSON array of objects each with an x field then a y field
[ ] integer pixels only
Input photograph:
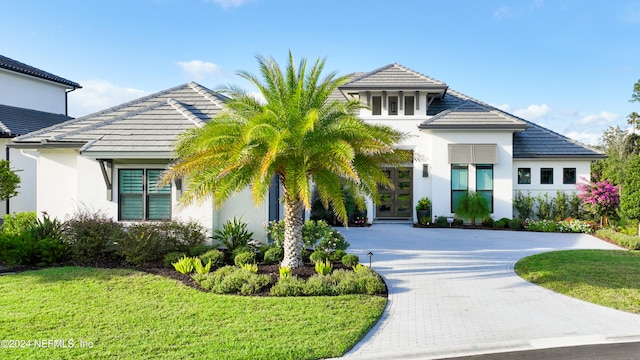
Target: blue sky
[{"x": 567, "y": 65}]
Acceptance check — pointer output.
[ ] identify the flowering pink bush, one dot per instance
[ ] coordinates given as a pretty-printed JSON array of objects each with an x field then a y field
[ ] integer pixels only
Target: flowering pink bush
[{"x": 600, "y": 198}]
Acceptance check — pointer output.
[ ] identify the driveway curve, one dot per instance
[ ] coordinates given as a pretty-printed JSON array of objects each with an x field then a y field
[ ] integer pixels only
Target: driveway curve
[{"x": 454, "y": 292}]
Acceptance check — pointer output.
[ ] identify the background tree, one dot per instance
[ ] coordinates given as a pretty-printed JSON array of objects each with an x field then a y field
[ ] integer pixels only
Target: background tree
[
  {"x": 630, "y": 198},
  {"x": 297, "y": 135},
  {"x": 615, "y": 146},
  {"x": 635, "y": 96},
  {"x": 632, "y": 119},
  {"x": 9, "y": 181}
]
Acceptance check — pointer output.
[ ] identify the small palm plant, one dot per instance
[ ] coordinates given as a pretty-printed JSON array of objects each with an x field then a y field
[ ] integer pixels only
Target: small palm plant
[
  {"x": 472, "y": 206},
  {"x": 233, "y": 235}
]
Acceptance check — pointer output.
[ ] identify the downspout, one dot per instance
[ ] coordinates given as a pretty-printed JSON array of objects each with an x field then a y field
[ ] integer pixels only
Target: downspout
[
  {"x": 66, "y": 101},
  {"x": 8, "y": 207}
]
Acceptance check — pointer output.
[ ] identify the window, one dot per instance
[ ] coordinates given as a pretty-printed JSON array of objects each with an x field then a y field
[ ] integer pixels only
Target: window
[
  {"x": 393, "y": 105},
  {"x": 459, "y": 184},
  {"x": 409, "y": 105},
  {"x": 139, "y": 199},
  {"x": 546, "y": 176},
  {"x": 484, "y": 183},
  {"x": 569, "y": 175},
  {"x": 376, "y": 105},
  {"x": 524, "y": 175}
]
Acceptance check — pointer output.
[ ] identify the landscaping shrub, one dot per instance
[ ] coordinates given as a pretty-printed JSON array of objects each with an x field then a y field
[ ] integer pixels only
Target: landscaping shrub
[
  {"x": 201, "y": 249},
  {"x": 171, "y": 258},
  {"x": 243, "y": 258},
  {"x": 545, "y": 206},
  {"x": 18, "y": 223},
  {"x": 25, "y": 249},
  {"x": 233, "y": 280},
  {"x": 350, "y": 260},
  {"x": 524, "y": 205},
  {"x": 215, "y": 256},
  {"x": 516, "y": 224},
  {"x": 149, "y": 242},
  {"x": 541, "y": 225},
  {"x": 472, "y": 205},
  {"x": 45, "y": 228},
  {"x": 233, "y": 235},
  {"x": 92, "y": 238},
  {"x": 628, "y": 241},
  {"x": 199, "y": 268},
  {"x": 184, "y": 265},
  {"x": 361, "y": 282},
  {"x": 274, "y": 255},
  {"x": 488, "y": 222},
  {"x": 252, "y": 268},
  {"x": 501, "y": 224},
  {"x": 288, "y": 286},
  {"x": 319, "y": 285},
  {"x": 337, "y": 255},
  {"x": 315, "y": 234},
  {"x": 574, "y": 226},
  {"x": 323, "y": 268},
  {"x": 441, "y": 221},
  {"x": 318, "y": 255}
]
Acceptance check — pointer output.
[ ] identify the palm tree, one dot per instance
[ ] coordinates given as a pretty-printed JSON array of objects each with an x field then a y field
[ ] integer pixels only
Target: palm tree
[
  {"x": 296, "y": 134},
  {"x": 633, "y": 120},
  {"x": 472, "y": 206}
]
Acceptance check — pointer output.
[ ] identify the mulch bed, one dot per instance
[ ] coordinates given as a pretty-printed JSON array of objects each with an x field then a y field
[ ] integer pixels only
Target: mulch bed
[{"x": 304, "y": 272}]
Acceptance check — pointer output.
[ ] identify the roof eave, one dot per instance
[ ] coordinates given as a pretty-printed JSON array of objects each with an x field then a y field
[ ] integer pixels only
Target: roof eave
[
  {"x": 47, "y": 145},
  {"x": 560, "y": 156},
  {"x": 472, "y": 127}
]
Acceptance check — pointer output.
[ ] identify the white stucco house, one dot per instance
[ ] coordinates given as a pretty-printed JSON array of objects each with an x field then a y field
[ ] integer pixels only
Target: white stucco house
[
  {"x": 30, "y": 99},
  {"x": 109, "y": 160}
]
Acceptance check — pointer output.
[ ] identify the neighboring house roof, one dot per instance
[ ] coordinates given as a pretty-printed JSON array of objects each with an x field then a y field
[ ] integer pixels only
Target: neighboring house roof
[
  {"x": 16, "y": 121},
  {"x": 16, "y": 66},
  {"x": 146, "y": 127}
]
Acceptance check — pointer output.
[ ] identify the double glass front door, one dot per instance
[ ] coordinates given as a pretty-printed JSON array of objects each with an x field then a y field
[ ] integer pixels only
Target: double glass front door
[{"x": 396, "y": 203}]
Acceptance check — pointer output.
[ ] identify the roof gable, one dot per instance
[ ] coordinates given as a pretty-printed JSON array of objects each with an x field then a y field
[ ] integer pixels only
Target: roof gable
[
  {"x": 394, "y": 76},
  {"x": 18, "y": 67},
  {"x": 146, "y": 125}
]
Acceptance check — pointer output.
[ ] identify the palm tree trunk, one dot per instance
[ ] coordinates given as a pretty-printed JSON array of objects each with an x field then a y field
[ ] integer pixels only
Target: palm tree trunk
[{"x": 293, "y": 223}]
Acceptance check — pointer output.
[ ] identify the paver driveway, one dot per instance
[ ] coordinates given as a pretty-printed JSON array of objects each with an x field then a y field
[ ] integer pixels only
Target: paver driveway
[{"x": 454, "y": 292}]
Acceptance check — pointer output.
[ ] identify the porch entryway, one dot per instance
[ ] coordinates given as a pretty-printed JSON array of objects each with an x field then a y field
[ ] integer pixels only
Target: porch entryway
[{"x": 396, "y": 203}]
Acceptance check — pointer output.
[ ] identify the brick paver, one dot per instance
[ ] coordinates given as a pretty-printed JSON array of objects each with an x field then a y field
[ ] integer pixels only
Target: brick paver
[{"x": 454, "y": 292}]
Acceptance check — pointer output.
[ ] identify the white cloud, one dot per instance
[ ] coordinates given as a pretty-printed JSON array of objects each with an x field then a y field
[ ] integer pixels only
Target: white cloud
[
  {"x": 532, "y": 112},
  {"x": 502, "y": 13},
  {"x": 229, "y": 3},
  {"x": 199, "y": 69},
  {"x": 97, "y": 95},
  {"x": 589, "y": 138},
  {"x": 604, "y": 118}
]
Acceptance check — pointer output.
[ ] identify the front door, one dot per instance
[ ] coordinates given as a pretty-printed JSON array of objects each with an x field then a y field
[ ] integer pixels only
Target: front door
[{"x": 396, "y": 203}]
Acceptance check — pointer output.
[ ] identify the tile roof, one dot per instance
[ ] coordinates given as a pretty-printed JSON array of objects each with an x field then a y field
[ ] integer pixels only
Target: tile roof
[
  {"x": 473, "y": 115},
  {"x": 394, "y": 76},
  {"x": 16, "y": 66},
  {"x": 146, "y": 125},
  {"x": 16, "y": 121},
  {"x": 454, "y": 110}
]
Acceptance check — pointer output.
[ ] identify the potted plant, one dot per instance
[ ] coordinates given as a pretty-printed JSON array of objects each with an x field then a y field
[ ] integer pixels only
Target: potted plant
[{"x": 423, "y": 209}]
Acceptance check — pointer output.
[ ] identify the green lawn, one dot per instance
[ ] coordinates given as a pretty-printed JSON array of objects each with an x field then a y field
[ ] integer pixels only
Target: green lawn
[
  {"x": 605, "y": 277},
  {"x": 127, "y": 314}
]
